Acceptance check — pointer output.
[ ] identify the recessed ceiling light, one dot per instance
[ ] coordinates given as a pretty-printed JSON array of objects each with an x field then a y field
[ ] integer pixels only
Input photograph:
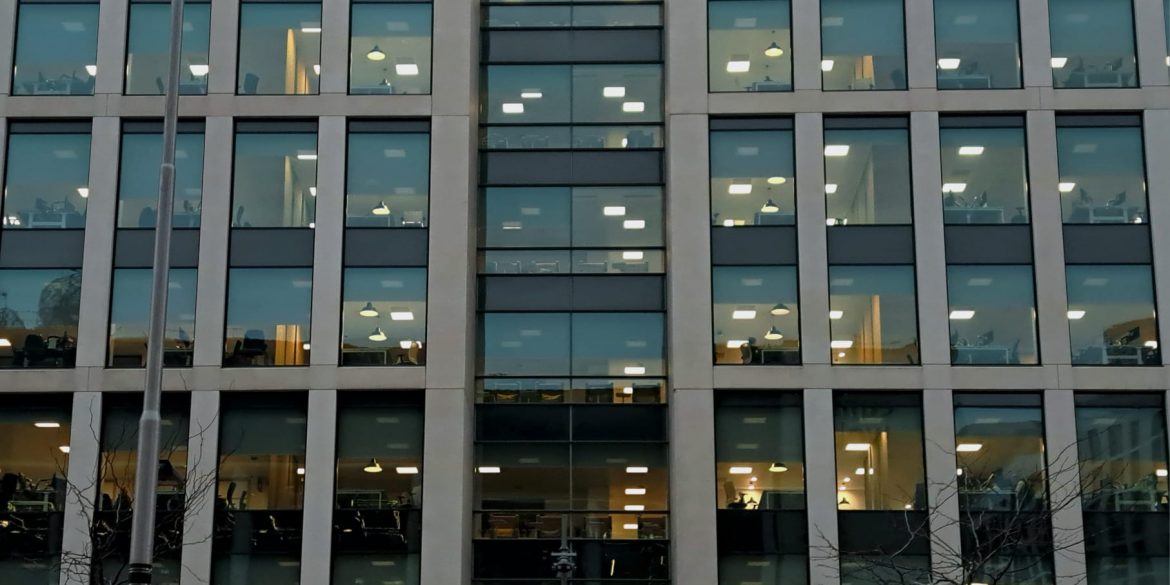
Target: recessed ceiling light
[
  {"x": 954, "y": 187},
  {"x": 836, "y": 150},
  {"x": 1076, "y": 314},
  {"x": 634, "y": 370},
  {"x": 401, "y": 315},
  {"x": 617, "y": 91},
  {"x": 614, "y": 210},
  {"x": 488, "y": 469},
  {"x": 836, "y": 314},
  {"x": 531, "y": 94},
  {"x": 841, "y": 343},
  {"x": 962, "y": 315},
  {"x": 968, "y": 447},
  {"x": 633, "y": 107},
  {"x": 637, "y": 469},
  {"x": 406, "y": 69},
  {"x": 970, "y": 150},
  {"x": 634, "y": 224},
  {"x": 199, "y": 70},
  {"x": 830, "y": 188},
  {"x": 739, "y": 189},
  {"x": 736, "y": 343},
  {"x": 632, "y": 255},
  {"x": 513, "y": 108},
  {"x": 740, "y": 470},
  {"x": 408, "y": 470},
  {"x": 634, "y": 507},
  {"x": 738, "y": 66},
  {"x": 827, "y": 65},
  {"x": 857, "y": 446},
  {"x": 743, "y": 314},
  {"x": 1058, "y": 62},
  {"x": 47, "y": 425},
  {"x": 948, "y": 64},
  {"x": 635, "y": 491}
]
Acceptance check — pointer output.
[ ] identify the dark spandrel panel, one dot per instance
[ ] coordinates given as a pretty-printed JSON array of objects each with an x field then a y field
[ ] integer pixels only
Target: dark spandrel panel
[
  {"x": 271, "y": 247},
  {"x": 385, "y": 247},
  {"x": 522, "y": 422},
  {"x": 618, "y": 293},
  {"x": 1122, "y": 570},
  {"x": 591, "y": 46},
  {"x": 135, "y": 249},
  {"x": 41, "y": 248},
  {"x": 754, "y": 246},
  {"x": 617, "y": 562},
  {"x": 619, "y": 423},
  {"x": 871, "y": 245},
  {"x": 985, "y": 244},
  {"x": 357, "y": 568},
  {"x": 771, "y": 569},
  {"x": 1132, "y": 534},
  {"x": 523, "y": 293},
  {"x": 1107, "y": 244},
  {"x": 762, "y": 532},
  {"x": 865, "y": 532}
]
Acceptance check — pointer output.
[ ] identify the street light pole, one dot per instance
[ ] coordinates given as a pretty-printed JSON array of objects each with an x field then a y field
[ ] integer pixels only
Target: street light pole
[{"x": 146, "y": 476}]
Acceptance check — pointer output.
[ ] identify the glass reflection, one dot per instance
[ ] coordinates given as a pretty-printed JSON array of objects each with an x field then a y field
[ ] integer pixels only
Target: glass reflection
[
  {"x": 862, "y": 45},
  {"x": 977, "y": 44},
  {"x": 879, "y": 452},
  {"x": 1111, "y": 317},
  {"x": 572, "y": 94},
  {"x": 756, "y": 315},
  {"x": 275, "y": 182},
  {"x": 268, "y": 317},
  {"x": 749, "y": 45},
  {"x": 1102, "y": 175},
  {"x": 384, "y": 317},
  {"x": 280, "y": 48},
  {"x": 390, "y": 48},
  {"x": 130, "y": 318},
  {"x": 873, "y": 315},
  {"x": 563, "y": 217},
  {"x": 1121, "y": 442},
  {"x": 617, "y": 344},
  {"x": 867, "y": 176},
  {"x": 47, "y": 182},
  {"x": 148, "y": 48},
  {"x": 985, "y": 177},
  {"x": 759, "y": 453},
  {"x": 139, "y": 179},
  {"x": 992, "y": 315},
  {"x": 524, "y": 344},
  {"x": 1092, "y": 43},
  {"x": 34, "y": 457},
  {"x": 56, "y": 49},
  {"x": 387, "y": 179},
  {"x": 38, "y": 317},
  {"x": 752, "y": 178}
]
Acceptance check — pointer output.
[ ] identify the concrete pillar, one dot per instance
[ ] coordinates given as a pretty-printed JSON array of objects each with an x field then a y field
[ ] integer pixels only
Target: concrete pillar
[
  {"x": 113, "y": 21},
  {"x": 929, "y": 240},
  {"x": 686, "y": 56},
  {"x": 1150, "y": 26},
  {"x": 320, "y": 441},
  {"x": 813, "y": 269},
  {"x": 1047, "y": 235},
  {"x": 328, "y": 240},
  {"x": 694, "y": 550},
  {"x": 334, "y": 49},
  {"x": 920, "y": 60},
  {"x": 1035, "y": 45},
  {"x": 938, "y": 415},
  {"x": 85, "y": 428},
  {"x": 225, "y": 32},
  {"x": 202, "y": 467},
  {"x": 1157, "y": 138},
  {"x": 820, "y": 486},
  {"x": 100, "y": 211},
  {"x": 806, "y": 46},
  {"x": 1060, "y": 437},
  {"x": 211, "y": 298},
  {"x": 7, "y": 50}
]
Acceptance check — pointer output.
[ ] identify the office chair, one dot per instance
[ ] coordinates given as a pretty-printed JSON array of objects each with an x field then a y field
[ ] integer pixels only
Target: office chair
[
  {"x": 35, "y": 350},
  {"x": 158, "y": 82},
  {"x": 231, "y": 490},
  {"x": 251, "y": 83},
  {"x": 252, "y": 346},
  {"x": 1117, "y": 200},
  {"x": 980, "y": 201},
  {"x": 986, "y": 338},
  {"x": 8, "y": 485}
]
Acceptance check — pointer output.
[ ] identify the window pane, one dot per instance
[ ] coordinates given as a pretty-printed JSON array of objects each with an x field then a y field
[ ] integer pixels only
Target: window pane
[
  {"x": 873, "y": 316},
  {"x": 517, "y": 476},
  {"x": 260, "y": 489},
  {"x": 526, "y": 217},
  {"x": 618, "y": 344},
  {"x": 387, "y": 179},
  {"x": 1092, "y": 43},
  {"x": 390, "y": 48},
  {"x": 130, "y": 318},
  {"x": 280, "y": 48},
  {"x": 601, "y": 482},
  {"x": 978, "y": 44},
  {"x": 560, "y": 217},
  {"x": 879, "y": 453},
  {"x": 525, "y": 344},
  {"x": 268, "y": 317},
  {"x": 56, "y": 49},
  {"x": 759, "y": 455},
  {"x": 1121, "y": 445},
  {"x": 38, "y": 318},
  {"x": 139, "y": 179},
  {"x": 867, "y": 176},
  {"x": 862, "y": 44},
  {"x": 563, "y": 94},
  {"x": 595, "y": 89},
  {"x": 1102, "y": 175},
  {"x": 753, "y": 178},
  {"x": 992, "y": 315},
  {"x": 149, "y": 45},
  {"x": 1000, "y": 452},
  {"x": 47, "y": 182},
  {"x": 1111, "y": 315},
  {"x": 757, "y": 316},
  {"x": 275, "y": 182},
  {"x": 507, "y": 86},
  {"x": 384, "y": 317},
  {"x": 617, "y": 216},
  {"x": 750, "y": 45},
  {"x": 985, "y": 177}
]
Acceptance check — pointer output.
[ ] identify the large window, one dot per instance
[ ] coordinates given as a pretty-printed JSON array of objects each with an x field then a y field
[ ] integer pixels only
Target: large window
[
  {"x": 387, "y": 179},
  {"x": 268, "y": 314},
  {"x": 47, "y": 179},
  {"x": 977, "y": 44},
  {"x": 34, "y": 460},
  {"x": 148, "y": 48},
  {"x": 1102, "y": 174},
  {"x": 1111, "y": 316},
  {"x": 1092, "y": 43},
  {"x": 863, "y": 45},
  {"x": 38, "y": 317},
  {"x": 984, "y": 172},
  {"x": 275, "y": 181},
  {"x": 578, "y": 344},
  {"x": 390, "y": 48},
  {"x": 260, "y": 489},
  {"x": 752, "y": 178},
  {"x": 1121, "y": 442},
  {"x": 56, "y": 48},
  {"x": 384, "y": 317},
  {"x": 759, "y": 475},
  {"x": 756, "y": 315},
  {"x": 138, "y": 180},
  {"x": 749, "y": 45},
  {"x": 867, "y": 174},
  {"x": 503, "y": 14},
  {"x": 873, "y": 315},
  {"x": 992, "y": 315},
  {"x": 280, "y": 48},
  {"x": 377, "y": 518},
  {"x": 130, "y": 318}
]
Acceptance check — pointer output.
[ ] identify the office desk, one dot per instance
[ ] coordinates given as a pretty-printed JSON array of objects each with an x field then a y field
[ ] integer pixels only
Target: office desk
[
  {"x": 967, "y": 81},
  {"x": 982, "y": 354},
  {"x": 777, "y": 218},
  {"x": 1108, "y": 214},
  {"x": 973, "y": 215}
]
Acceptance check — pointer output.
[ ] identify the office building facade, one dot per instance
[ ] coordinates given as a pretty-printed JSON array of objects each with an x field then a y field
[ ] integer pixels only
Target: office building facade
[{"x": 703, "y": 291}]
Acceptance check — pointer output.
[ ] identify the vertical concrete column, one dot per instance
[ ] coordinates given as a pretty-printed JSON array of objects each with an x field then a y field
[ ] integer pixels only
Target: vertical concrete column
[
  {"x": 1150, "y": 26},
  {"x": 334, "y": 47},
  {"x": 1035, "y": 44},
  {"x": 689, "y": 239},
  {"x": 7, "y": 50},
  {"x": 84, "y": 455},
  {"x": 686, "y": 57},
  {"x": 920, "y": 58},
  {"x": 202, "y": 464},
  {"x": 938, "y": 415},
  {"x": 317, "y": 542},
  {"x": 813, "y": 269},
  {"x": 694, "y": 550},
  {"x": 1157, "y": 138},
  {"x": 806, "y": 46},
  {"x": 1060, "y": 436},
  {"x": 929, "y": 240},
  {"x": 820, "y": 486},
  {"x": 225, "y": 30},
  {"x": 211, "y": 299},
  {"x": 100, "y": 210},
  {"x": 328, "y": 239},
  {"x": 113, "y": 20},
  {"x": 1047, "y": 235}
]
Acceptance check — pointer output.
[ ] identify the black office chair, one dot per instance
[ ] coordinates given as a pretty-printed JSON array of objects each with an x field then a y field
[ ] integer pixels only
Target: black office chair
[
  {"x": 251, "y": 83},
  {"x": 8, "y": 485},
  {"x": 252, "y": 346},
  {"x": 34, "y": 351}
]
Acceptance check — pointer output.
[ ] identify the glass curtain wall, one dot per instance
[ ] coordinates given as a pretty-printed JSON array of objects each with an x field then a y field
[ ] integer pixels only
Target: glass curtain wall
[
  {"x": 46, "y": 184},
  {"x": 867, "y": 172},
  {"x": 148, "y": 47},
  {"x": 384, "y": 317},
  {"x": 756, "y": 315},
  {"x": 138, "y": 175},
  {"x": 1111, "y": 315},
  {"x": 39, "y": 311}
]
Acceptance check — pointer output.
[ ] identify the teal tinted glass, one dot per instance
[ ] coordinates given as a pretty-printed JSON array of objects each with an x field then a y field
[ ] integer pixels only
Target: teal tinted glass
[
  {"x": 47, "y": 181},
  {"x": 749, "y": 45},
  {"x": 1111, "y": 316},
  {"x": 387, "y": 180},
  {"x": 867, "y": 176},
  {"x": 753, "y": 178},
  {"x": 130, "y": 318},
  {"x": 38, "y": 317},
  {"x": 280, "y": 48},
  {"x": 992, "y": 315},
  {"x": 880, "y": 452},
  {"x": 977, "y": 44},
  {"x": 1092, "y": 43},
  {"x": 268, "y": 316},
  {"x": 148, "y": 48},
  {"x": 863, "y": 45},
  {"x": 384, "y": 317},
  {"x": 873, "y": 315},
  {"x": 390, "y": 48},
  {"x": 275, "y": 180},
  {"x": 139, "y": 178},
  {"x": 1102, "y": 175},
  {"x": 56, "y": 49},
  {"x": 756, "y": 315},
  {"x": 984, "y": 175}
]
